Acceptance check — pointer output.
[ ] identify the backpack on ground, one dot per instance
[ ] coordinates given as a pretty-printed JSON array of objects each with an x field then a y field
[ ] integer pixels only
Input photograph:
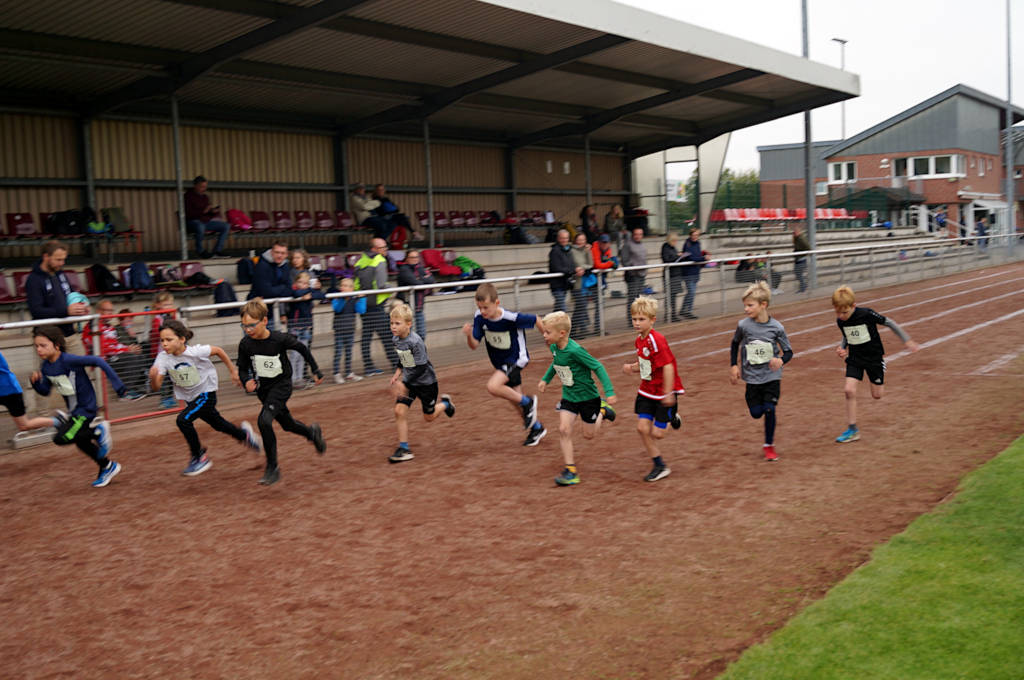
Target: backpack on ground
[
  {"x": 224, "y": 292},
  {"x": 244, "y": 271},
  {"x": 139, "y": 277},
  {"x": 104, "y": 280}
]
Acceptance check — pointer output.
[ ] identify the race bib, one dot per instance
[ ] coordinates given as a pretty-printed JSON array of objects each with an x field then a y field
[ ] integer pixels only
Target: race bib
[
  {"x": 645, "y": 368},
  {"x": 857, "y": 335},
  {"x": 759, "y": 352},
  {"x": 63, "y": 384},
  {"x": 564, "y": 374},
  {"x": 184, "y": 376},
  {"x": 405, "y": 358},
  {"x": 498, "y": 339},
  {"x": 267, "y": 366}
]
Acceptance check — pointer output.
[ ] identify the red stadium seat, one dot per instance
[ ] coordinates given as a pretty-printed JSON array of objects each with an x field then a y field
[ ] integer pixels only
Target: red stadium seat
[
  {"x": 470, "y": 219},
  {"x": 345, "y": 220},
  {"x": 485, "y": 217},
  {"x": 21, "y": 225},
  {"x": 303, "y": 220},
  {"x": 260, "y": 220},
  {"x": 351, "y": 259},
  {"x": 441, "y": 220},
  {"x": 336, "y": 262},
  {"x": 19, "y": 283},
  {"x": 282, "y": 220},
  {"x": 6, "y": 297},
  {"x": 524, "y": 217},
  {"x": 423, "y": 217},
  {"x": 323, "y": 220},
  {"x": 456, "y": 219}
]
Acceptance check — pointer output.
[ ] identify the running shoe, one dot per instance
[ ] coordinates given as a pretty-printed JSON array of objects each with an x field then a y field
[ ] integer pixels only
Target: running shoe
[
  {"x": 848, "y": 435},
  {"x": 132, "y": 395},
  {"x": 769, "y": 453},
  {"x": 373, "y": 372},
  {"x": 339, "y": 379},
  {"x": 197, "y": 466},
  {"x": 318, "y": 438},
  {"x": 352, "y": 377},
  {"x": 567, "y": 478},
  {"x": 608, "y": 411},
  {"x": 270, "y": 476},
  {"x": 534, "y": 436},
  {"x": 657, "y": 472},
  {"x": 104, "y": 438},
  {"x": 252, "y": 439},
  {"x": 449, "y": 405},
  {"x": 107, "y": 474},
  {"x": 400, "y": 455},
  {"x": 676, "y": 421},
  {"x": 529, "y": 413},
  {"x": 168, "y": 402}
]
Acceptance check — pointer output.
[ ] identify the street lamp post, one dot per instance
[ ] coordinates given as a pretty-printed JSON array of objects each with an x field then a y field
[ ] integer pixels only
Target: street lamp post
[{"x": 842, "y": 66}]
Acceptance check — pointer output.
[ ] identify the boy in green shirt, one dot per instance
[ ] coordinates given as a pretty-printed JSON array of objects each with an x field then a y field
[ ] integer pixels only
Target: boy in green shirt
[{"x": 573, "y": 364}]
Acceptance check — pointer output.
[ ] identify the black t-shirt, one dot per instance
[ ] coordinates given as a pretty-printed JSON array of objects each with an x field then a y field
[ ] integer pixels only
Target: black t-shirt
[
  {"x": 267, "y": 361},
  {"x": 862, "y": 338}
]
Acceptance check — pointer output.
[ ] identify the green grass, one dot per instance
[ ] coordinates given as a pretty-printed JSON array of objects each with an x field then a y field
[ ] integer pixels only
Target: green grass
[{"x": 944, "y": 599}]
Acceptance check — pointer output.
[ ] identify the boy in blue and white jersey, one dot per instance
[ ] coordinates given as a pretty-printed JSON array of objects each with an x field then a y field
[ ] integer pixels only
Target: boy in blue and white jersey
[{"x": 504, "y": 333}]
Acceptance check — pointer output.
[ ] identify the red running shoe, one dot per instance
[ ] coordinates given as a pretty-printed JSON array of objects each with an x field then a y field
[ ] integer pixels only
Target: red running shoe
[{"x": 769, "y": 453}]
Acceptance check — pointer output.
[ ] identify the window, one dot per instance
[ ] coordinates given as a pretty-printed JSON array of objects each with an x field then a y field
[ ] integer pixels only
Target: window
[
  {"x": 840, "y": 173},
  {"x": 851, "y": 171},
  {"x": 943, "y": 165},
  {"x": 921, "y": 166},
  {"x": 981, "y": 167},
  {"x": 821, "y": 188},
  {"x": 950, "y": 165},
  {"x": 901, "y": 168},
  {"x": 836, "y": 172},
  {"x": 1017, "y": 174}
]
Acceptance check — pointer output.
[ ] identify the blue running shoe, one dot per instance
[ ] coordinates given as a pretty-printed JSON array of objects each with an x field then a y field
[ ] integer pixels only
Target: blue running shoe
[
  {"x": 848, "y": 435},
  {"x": 107, "y": 474},
  {"x": 449, "y": 405},
  {"x": 372, "y": 373},
  {"x": 197, "y": 466},
  {"x": 104, "y": 438},
  {"x": 252, "y": 440},
  {"x": 567, "y": 478}
]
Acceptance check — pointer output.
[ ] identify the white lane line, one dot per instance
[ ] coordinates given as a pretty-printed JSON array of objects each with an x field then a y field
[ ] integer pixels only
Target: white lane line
[
  {"x": 730, "y": 331},
  {"x": 957, "y": 334},
  {"x": 998, "y": 363}
]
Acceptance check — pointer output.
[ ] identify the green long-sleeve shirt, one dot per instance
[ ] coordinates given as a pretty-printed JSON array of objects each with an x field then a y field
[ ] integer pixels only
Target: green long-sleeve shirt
[{"x": 574, "y": 366}]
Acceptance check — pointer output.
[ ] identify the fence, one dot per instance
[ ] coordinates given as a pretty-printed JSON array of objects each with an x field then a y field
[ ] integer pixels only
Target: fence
[{"x": 448, "y": 308}]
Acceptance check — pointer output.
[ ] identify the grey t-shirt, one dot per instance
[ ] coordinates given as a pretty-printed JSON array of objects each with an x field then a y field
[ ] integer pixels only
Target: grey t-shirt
[
  {"x": 412, "y": 357},
  {"x": 757, "y": 344}
]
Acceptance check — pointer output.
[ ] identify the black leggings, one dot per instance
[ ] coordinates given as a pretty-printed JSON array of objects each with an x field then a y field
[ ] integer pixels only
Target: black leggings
[
  {"x": 275, "y": 407},
  {"x": 78, "y": 431},
  {"x": 204, "y": 407}
]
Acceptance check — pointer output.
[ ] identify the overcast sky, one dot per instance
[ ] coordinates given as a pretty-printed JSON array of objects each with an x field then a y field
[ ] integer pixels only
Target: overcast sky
[{"x": 904, "y": 51}]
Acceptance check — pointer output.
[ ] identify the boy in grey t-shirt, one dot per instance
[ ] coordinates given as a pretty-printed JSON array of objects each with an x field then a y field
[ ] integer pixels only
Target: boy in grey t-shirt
[
  {"x": 414, "y": 378},
  {"x": 765, "y": 348}
]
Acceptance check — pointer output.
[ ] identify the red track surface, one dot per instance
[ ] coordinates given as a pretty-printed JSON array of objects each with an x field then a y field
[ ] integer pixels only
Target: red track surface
[{"x": 467, "y": 562}]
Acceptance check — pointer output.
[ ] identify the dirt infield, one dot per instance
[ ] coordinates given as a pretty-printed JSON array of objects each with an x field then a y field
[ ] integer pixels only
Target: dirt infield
[{"x": 468, "y": 562}]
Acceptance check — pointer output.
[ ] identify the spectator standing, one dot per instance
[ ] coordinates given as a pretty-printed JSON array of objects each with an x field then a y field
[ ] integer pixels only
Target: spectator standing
[
  {"x": 670, "y": 254},
  {"x": 363, "y": 207},
  {"x": 981, "y": 232},
  {"x": 691, "y": 252},
  {"x": 560, "y": 262},
  {"x": 200, "y": 218},
  {"x": 633, "y": 254},
  {"x": 47, "y": 289},
  {"x": 604, "y": 261},
  {"x": 940, "y": 220},
  {"x": 372, "y": 274},
  {"x": 800, "y": 244},
  {"x": 413, "y": 273},
  {"x": 584, "y": 288},
  {"x": 615, "y": 225},
  {"x": 588, "y": 223},
  {"x": 272, "y": 277}
]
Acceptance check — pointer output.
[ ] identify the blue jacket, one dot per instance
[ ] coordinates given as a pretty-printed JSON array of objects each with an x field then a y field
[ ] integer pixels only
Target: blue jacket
[
  {"x": 8, "y": 382},
  {"x": 690, "y": 251},
  {"x": 48, "y": 296},
  {"x": 303, "y": 309},
  {"x": 69, "y": 371},
  {"x": 271, "y": 280}
]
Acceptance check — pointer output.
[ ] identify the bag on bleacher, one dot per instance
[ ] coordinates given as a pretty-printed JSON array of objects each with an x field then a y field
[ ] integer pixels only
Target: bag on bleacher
[
  {"x": 239, "y": 220},
  {"x": 169, "y": 274},
  {"x": 198, "y": 279},
  {"x": 66, "y": 223},
  {"x": 117, "y": 220},
  {"x": 224, "y": 292},
  {"x": 139, "y": 277},
  {"x": 244, "y": 271},
  {"x": 97, "y": 227},
  {"x": 104, "y": 279}
]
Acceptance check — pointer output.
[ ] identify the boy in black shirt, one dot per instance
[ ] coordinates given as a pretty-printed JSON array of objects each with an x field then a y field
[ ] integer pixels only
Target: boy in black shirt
[
  {"x": 862, "y": 348},
  {"x": 264, "y": 368}
]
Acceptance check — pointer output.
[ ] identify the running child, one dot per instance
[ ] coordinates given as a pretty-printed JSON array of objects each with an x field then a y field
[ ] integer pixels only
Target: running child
[
  {"x": 195, "y": 382},
  {"x": 66, "y": 374},
  {"x": 345, "y": 311},
  {"x": 264, "y": 369},
  {"x": 11, "y": 398},
  {"x": 765, "y": 349},
  {"x": 580, "y": 397},
  {"x": 657, "y": 397},
  {"x": 504, "y": 333},
  {"x": 414, "y": 378},
  {"x": 862, "y": 348}
]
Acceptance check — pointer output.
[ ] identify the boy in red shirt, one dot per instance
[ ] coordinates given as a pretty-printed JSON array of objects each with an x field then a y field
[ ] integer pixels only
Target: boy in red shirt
[{"x": 656, "y": 399}]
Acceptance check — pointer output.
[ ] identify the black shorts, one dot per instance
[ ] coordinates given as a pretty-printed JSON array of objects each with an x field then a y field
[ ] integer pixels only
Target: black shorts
[
  {"x": 653, "y": 409},
  {"x": 588, "y": 410},
  {"x": 513, "y": 373},
  {"x": 427, "y": 394},
  {"x": 763, "y": 393},
  {"x": 14, "y": 403},
  {"x": 876, "y": 372}
]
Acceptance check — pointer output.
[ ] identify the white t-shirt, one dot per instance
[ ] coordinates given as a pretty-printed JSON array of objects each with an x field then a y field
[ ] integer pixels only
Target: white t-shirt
[{"x": 192, "y": 372}]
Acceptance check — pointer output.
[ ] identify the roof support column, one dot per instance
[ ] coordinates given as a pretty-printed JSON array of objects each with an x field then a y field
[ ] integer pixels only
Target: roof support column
[
  {"x": 586, "y": 167},
  {"x": 1011, "y": 211},
  {"x": 430, "y": 178},
  {"x": 178, "y": 183},
  {"x": 812, "y": 236},
  {"x": 85, "y": 156},
  {"x": 510, "y": 178},
  {"x": 340, "y": 145}
]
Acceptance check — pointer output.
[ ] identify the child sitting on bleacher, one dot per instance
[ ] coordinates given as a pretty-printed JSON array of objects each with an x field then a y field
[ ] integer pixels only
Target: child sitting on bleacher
[
  {"x": 345, "y": 311},
  {"x": 300, "y": 322}
]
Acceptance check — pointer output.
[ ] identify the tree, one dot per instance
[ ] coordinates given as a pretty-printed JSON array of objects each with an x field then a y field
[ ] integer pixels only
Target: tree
[{"x": 735, "y": 190}]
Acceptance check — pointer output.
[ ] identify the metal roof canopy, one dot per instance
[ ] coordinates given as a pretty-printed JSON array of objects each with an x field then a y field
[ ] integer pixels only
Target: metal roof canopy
[{"x": 567, "y": 73}]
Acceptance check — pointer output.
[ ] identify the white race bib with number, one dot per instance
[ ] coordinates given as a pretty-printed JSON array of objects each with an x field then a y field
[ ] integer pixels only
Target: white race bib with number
[
  {"x": 185, "y": 376},
  {"x": 267, "y": 366},
  {"x": 498, "y": 339},
  {"x": 857, "y": 335},
  {"x": 645, "y": 368},
  {"x": 405, "y": 358},
  {"x": 564, "y": 374},
  {"x": 759, "y": 352},
  {"x": 63, "y": 384}
]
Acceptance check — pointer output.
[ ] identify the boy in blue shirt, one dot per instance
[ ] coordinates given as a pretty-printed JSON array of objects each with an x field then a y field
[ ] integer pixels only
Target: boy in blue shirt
[{"x": 504, "y": 333}]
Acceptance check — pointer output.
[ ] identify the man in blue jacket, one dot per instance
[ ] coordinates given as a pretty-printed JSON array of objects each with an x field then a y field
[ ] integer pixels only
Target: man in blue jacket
[
  {"x": 47, "y": 289},
  {"x": 272, "y": 277}
]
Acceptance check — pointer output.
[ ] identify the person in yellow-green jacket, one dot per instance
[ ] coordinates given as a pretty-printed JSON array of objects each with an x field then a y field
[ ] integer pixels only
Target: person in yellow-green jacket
[{"x": 372, "y": 274}]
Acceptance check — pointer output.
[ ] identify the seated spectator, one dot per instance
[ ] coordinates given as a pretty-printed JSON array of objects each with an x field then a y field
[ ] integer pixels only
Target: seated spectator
[
  {"x": 389, "y": 211},
  {"x": 127, "y": 359},
  {"x": 362, "y": 209},
  {"x": 199, "y": 218},
  {"x": 745, "y": 270}
]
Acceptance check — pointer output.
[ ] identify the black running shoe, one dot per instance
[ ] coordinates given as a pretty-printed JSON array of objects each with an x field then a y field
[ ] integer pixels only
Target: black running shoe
[
  {"x": 534, "y": 436},
  {"x": 449, "y": 407},
  {"x": 608, "y": 411},
  {"x": 400, "y": 455},
  {"x": 270, "y": 476},
  {"x": 657, "y": 472},
  {"x": 318, "y": 438},
  {"x": 529, "y": 412},
  {"x": 677, "y": 422}
]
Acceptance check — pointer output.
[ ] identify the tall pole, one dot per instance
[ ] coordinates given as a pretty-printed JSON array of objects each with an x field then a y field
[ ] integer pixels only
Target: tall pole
[
  {"x": 842, "y": 67},
  {"x": 812, "y": 237},
  {"x": 1011, "y": 222},
  {"x": 430, "y": 179},
  {"x": 178, "y": 183}
]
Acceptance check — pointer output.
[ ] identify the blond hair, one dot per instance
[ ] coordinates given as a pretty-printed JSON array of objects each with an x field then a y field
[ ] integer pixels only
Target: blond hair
[
  {"x": 401, "y": 311},
  {"x": 558, "y": 321},
  {"x": 843, "y": 297},
  {"x": 759, "y": 291},
  {"x": 644, "y": 306},
  {"x": 301, "y": 275},
  {"x": 346, "y": 280},
  {"x": 486, "y": 292},
  {"x": 163, "y": 296},
  {"x": 255, "y": 309}
]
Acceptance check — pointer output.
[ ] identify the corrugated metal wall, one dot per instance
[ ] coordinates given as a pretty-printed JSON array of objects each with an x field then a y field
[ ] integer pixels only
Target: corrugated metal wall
[
  {"x": 461, "y": 166},
  {"x": 532, "y": 170},
  {"x": 255, "y": 156},
  {"x": 386, "y": 160},
  {"x": 127, "y": 150},
  {"x": 37, "y": 146}
]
